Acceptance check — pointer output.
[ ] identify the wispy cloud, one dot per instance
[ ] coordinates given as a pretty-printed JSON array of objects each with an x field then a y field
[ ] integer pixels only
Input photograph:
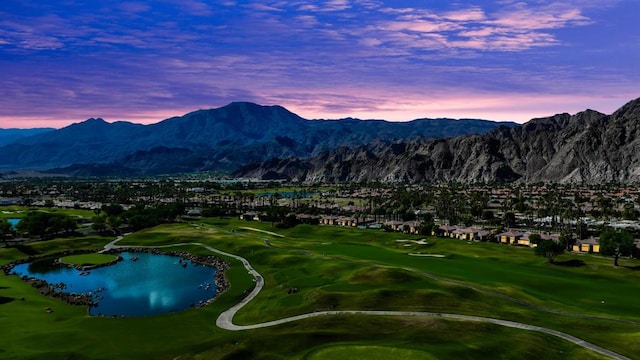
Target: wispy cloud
[{"x": 365, "y": 58}]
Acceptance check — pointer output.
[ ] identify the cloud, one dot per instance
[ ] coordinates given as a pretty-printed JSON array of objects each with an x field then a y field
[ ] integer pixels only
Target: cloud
[
  {"x": 325, "y": 6},
  {"x": 323, "y": 58},
  {"x": 262, "y": 7},
  {"x": 542, "y": 18},
  {"x": 470, "y": 14},
  {"x": 195, "y": 7},
  {"x": 134, "y": 7}
]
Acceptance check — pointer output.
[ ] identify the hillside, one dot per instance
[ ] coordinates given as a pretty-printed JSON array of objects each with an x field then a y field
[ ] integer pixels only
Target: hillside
[
  {"x": 220, "y": 139},
  {"x": 8, "y": 136},
  {"x": 588, "y": 147}
]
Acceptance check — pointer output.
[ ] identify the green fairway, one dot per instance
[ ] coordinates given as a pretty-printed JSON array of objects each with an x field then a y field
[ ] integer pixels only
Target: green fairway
[
  {"x": 19, "y": 212},
  {"x": 89, "y": 259},
  {"x": 317, "y": 268},
  {"x": 364, "y": 352}
]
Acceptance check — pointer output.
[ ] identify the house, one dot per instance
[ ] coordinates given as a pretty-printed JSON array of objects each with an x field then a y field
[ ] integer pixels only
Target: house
[
  {"x": 250, "y": 216},
  {"x": 589, "y": 245},
  {"x": 483, "y": 235},
  {"x": 472, "y": 233},
  {"x": 523, "y": 240},
  {"x": 447, "y": 230},
  {"x": 307, "y": 219},
  {"x": 509, "y": 237},
  {"x": 329, "y": 220},
  {"x": 463, "y": 234},
  {"x": 412, "y": 227},
  {"x": 347, "y": 221},
  {"x": 395, "y": 225},
  {"x": 194, "y": 212}
]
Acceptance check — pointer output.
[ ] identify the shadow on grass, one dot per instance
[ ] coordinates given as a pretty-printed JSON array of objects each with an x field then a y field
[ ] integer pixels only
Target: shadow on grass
[
  {"x": 632, "y": 267},
  {"x": 4, "y": 300},
  {"x": 571, "y": 263},
  {"x": 27, "y": 250}
]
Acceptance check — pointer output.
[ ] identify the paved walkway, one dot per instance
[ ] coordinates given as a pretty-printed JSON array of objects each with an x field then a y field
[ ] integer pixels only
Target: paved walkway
[{"x": 225, "y": 319}]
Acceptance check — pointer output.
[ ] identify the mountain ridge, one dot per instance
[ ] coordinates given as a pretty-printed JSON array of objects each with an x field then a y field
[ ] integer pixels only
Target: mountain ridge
[
  {"x": 223, "y": 138},
  {"x": 586, "y": 147},
  {"x": 11, "y": 135}
]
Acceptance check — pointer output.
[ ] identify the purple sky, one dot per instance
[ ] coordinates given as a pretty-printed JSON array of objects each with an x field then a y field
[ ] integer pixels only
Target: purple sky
[{"x": 144, "y": 61}]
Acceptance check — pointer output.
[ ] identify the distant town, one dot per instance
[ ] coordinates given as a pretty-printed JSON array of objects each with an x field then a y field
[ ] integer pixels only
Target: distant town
[{"x": 571, "y": 215}]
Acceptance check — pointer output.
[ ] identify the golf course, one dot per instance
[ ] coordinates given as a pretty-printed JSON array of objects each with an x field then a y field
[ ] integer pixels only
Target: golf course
[{"x": 319, "y": 292}]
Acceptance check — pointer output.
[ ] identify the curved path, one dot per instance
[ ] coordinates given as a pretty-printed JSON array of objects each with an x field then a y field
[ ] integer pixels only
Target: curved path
[{"x": 225, "y": 319}]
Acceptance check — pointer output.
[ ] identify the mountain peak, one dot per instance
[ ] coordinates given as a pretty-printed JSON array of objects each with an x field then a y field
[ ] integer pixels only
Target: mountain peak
[
  {"x": 95, "y": 121},
  {"x": 251, "y": 107},
  {"x": 90, "y": 122},
  {"x": 629, "y": 110}
]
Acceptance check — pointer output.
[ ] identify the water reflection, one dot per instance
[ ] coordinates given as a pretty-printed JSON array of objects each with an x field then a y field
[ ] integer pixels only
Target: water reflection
[{"x": 139, "y": 285}]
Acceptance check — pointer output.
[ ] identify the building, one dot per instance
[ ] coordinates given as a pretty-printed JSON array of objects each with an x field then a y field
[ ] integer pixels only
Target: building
[{"x": 589, "y": 245}]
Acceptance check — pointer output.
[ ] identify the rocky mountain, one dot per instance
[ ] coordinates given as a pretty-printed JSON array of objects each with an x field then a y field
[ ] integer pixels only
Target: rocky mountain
[
  {"x": 8, "y": 136},
  {"x": 220, "y": 139},
  {"x": 588, "y": 147}
]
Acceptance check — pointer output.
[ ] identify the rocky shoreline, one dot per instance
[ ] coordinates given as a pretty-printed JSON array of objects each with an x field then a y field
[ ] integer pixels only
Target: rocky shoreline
[
  {"x": 55, "y": 290},
  {"x": 9, "y": 267}
]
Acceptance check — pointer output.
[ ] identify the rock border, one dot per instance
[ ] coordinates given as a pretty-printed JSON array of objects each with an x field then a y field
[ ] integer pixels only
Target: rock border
[{"x": 55, "y": 290}]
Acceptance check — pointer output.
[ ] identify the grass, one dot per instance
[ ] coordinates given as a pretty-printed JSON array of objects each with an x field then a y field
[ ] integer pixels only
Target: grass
[
  {"x": 341, "y": 269},
  {"x": 18, "y": 212},
  {"x": 368, "y": 352},
  {"x": 89, "y": 259}
]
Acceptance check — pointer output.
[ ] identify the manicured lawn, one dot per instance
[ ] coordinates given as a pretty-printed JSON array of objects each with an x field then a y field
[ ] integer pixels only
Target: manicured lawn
[
  {"x": 19, "y": 212},
  {"x": 340, "y": 269},
  {"x": 89, "y": 259},
  {"x": 367, "y": 352}
]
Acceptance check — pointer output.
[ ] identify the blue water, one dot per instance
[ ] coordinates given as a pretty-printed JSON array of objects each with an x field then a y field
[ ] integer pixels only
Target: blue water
[
  {"x": 152, "y": 285},
  {"x": 13, "y": 222}
]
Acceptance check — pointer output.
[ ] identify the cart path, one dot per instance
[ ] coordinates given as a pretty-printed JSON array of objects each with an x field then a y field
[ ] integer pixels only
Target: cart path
[{"x": 225, "y": 319}]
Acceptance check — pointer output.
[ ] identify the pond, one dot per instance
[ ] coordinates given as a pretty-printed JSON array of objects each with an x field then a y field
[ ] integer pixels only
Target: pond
[
  {"x": 13, "y": 222},
  {"x": 142, "y": 284}
]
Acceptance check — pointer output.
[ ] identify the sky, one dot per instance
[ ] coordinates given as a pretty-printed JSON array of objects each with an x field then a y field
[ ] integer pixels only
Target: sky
[{"x": 144, "y": 61}]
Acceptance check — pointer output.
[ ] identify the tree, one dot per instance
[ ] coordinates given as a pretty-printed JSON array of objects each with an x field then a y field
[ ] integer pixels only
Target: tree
[
  {"x": 549, "y": 249},
  {"x": 114, "y": 222},
  {"x": 112, "y": 209},
  {"x": 629, "y": 212},
  {"x": 98, "y": 223},
  {"x": 535, "y": 238},
  {"x": 582, "y": 230},
  {"x": 509, "y": 219},
  {"x": 566, "y": 239},
  {"x": 487, "y": 215},
  {"x": 616, "y": 244},
  {"x": 5, "y": 229},
  {"x": 41, "y": 224}
]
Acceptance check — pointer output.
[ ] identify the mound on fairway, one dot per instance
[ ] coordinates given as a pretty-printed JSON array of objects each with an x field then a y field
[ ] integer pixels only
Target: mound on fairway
[
  {"x": 89, "y": 259},
  {"x": 357, "y": 352}
]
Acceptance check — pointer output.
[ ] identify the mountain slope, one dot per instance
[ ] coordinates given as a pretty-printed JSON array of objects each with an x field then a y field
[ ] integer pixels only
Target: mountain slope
[
  {"x": 8, "y": 136},
  {"x": 215, "y": 139},
  {"x": 587, "y": 147}
]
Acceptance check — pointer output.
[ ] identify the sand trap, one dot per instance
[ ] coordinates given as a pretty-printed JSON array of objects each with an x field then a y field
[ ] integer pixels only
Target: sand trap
[
  {"x": 427, "y": 255},
  {"x": 262, "y": 231},
  {"x": 419, "y": 242}
]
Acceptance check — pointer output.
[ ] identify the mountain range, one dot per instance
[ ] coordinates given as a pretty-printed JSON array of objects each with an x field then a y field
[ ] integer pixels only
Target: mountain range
[
  {"x": 222, "y": 140},
  {"x": 8, "y": 136},
  {"x": 588, "y": 147}
]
